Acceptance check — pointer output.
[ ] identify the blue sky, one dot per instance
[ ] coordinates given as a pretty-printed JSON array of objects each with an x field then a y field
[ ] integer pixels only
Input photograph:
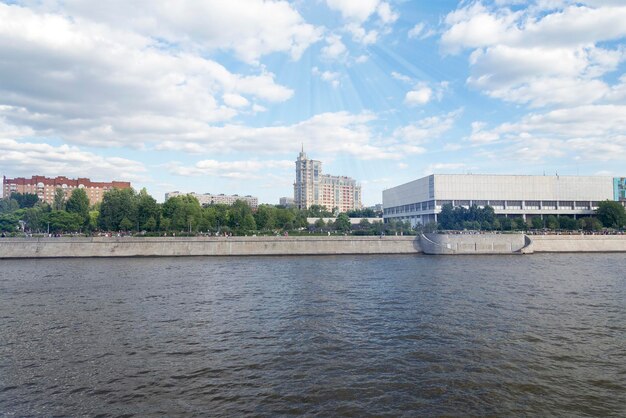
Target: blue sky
[{"x": 216, "y": 96}]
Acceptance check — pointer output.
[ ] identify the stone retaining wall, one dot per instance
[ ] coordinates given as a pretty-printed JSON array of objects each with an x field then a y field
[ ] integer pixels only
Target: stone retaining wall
[
  {"x": 203, "y": 246},
  {"x": 578, "y": 243}
]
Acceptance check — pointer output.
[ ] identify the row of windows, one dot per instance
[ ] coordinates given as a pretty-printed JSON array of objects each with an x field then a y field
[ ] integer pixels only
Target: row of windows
[{"x": 496, "y": 204}]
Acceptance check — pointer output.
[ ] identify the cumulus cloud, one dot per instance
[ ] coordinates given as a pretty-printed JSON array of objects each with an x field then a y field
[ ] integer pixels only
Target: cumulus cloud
[
  {"x": 96, "y": 85},
  {"x": 335, "y": 48},
  {"x": 419, "y": 96},
  {"x": 544, "y": 54},
  {"x": 243, "y": 170},
  {"x": 249, "y": 28},
  {"x": 28, "y": 158},
  {"x": 328, "y": 76},
  {"x": 357, "y": 12},
  {"x": 591, "y": 132},
  {"x": 427, "y": 129},
  {"x": 422, "y": 93}
]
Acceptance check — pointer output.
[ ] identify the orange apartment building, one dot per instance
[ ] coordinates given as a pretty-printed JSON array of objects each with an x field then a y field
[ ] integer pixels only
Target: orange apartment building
[{"x": 45, "y": 187}]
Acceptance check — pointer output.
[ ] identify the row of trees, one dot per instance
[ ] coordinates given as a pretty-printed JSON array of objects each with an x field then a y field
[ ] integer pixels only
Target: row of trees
[
  {"x": 608, "y": 215},
  {"x": 127, "y": 210}
]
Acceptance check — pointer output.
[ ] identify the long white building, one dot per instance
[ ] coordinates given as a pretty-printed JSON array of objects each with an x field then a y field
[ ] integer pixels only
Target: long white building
[
  {"x": 214, "y": 199},
  {"x": 420, "y": 201}
]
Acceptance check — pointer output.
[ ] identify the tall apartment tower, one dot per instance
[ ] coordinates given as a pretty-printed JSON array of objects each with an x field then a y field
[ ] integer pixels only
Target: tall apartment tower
[{"x": 314, "y": 188}]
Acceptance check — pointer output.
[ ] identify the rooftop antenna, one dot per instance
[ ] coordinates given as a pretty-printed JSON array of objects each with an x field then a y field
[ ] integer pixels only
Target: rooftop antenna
[{"x": 302, "y": 146}]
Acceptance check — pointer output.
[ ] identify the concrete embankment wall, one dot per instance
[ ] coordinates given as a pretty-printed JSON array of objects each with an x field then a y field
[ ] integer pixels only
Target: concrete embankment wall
[
  {"x": 578, "y": 243},
  {"x": 203, "y": 246},
  {"x": 473, "y": 243}
]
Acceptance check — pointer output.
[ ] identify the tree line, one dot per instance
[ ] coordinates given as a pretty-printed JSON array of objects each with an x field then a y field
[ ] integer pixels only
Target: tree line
[
  {"x": 609, "y": 214},
  {"x": 125, "y": 210}
]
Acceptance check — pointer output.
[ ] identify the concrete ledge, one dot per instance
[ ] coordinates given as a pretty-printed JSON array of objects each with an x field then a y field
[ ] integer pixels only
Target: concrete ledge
[
  {"x": 578, "y": 243},
  {"x": 203, "y": 246}
]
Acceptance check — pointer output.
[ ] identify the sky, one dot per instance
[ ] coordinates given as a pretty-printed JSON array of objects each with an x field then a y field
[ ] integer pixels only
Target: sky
[{"x": 214, "y": 96}]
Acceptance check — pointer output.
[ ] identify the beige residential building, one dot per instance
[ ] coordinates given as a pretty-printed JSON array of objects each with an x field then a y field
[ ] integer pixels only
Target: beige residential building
[
  {"x": 215, "y": 199},
  {"x": 45, "y": 187},
  {"x": 314, "y": 188}
]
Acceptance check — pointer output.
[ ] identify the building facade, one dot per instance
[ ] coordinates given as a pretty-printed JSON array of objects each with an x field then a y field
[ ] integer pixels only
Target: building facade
[
  {"x": 45, "y": 187},
  {"x": 420, "y": 201},
  {"x": 312, "y": 187},
  {"x": 215, "y": 199},
  {"x": 286, "y": 202}
]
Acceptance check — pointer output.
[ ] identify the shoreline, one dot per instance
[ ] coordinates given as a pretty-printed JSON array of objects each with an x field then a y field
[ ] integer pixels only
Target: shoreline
[{"x": 432, "y": 244}]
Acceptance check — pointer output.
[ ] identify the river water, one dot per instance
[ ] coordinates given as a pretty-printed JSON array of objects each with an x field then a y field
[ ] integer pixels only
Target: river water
[{"x": 318, "y": 336}]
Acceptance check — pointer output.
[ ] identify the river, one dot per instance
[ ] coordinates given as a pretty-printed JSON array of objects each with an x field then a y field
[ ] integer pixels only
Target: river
[{"x": 319, "y": 336}]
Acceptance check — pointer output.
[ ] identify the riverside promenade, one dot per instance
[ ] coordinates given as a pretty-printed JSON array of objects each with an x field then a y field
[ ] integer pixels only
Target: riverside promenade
[{"x": 434, "y": 244}]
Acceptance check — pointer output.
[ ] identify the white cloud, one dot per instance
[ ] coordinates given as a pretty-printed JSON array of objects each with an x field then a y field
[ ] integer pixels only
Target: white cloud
[
  {"x": 421, "y": 31},
  {"x": 592, "y": 132},
  {"x": 357, "y": 10},
  {"x": 93, "y": 84},
  {"x": 386, "y": 14},
  {"x": 28, "y": 158},
  {"x": 335, "y": 48},
  {"x": 361, "y": 35},
  {"x": 420, "y": 95},
  {"x": 328, "y": 76},
  {"x": 235, "y": 100},
  {"x": 447, "y": 168},
  {"x": 247, "y": 169},
  {"x": 249, "y": 28},
  {"x": 361, "y": 59},
  {"x": 401, "y": 77},
  {"x": 416, "y": 30},
  {"x": 544, "y": 54},
  {"x": 427, "y": 129}
]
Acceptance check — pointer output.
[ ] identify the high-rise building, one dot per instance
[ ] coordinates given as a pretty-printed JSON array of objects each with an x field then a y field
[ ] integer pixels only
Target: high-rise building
[
  {"x": 215, "y": 199},
  {"x": 45, "y": 188},
  {"x": 314, "y": 188}
]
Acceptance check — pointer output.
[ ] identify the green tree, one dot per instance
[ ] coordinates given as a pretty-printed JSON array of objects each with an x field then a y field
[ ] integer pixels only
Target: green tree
[
  {"x": 25, "y": 200},
  {"x": 567, "y": 223},
  {"x": 59, "y": 199},
  {"x": 182, "y": 211},
  {"x": 8, "y": 222},
  {"x": 78, "y": 203},
  {"x": 93, "y": 220},
  {"x": 8, "y": 205},
  {"x": 62, "y": 221},
  {"x": 342, "y": 223},
  {"x": 265, "y": 217},
  {"x": 611, "y": 214},
  {"x": 34, "y": 218},
  {"x": 116, "y": 205},
  {"x": 552, "y": 222},
  {"x": 537, "y": 222},
  {"x": 147, "y": 209},
  {"x": 150, "y": 224},
  {"x": 589, "y": 224},
  {"x": 126, "y": 224}
]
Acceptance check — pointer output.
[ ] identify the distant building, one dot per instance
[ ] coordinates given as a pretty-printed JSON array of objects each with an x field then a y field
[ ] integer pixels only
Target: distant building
[
  {"x": 214, "y": 199},
  {"x": 314, "y": 188},
  {"x": 420, "y": 201},
  {"x": 45, "y": 187},
  {"x": 286, "y": 202}
]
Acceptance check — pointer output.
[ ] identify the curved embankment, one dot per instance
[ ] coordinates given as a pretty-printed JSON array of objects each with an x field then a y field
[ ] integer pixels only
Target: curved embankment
[
  {"x": 442, "y": 244},
  {"x": 204, "y": 246}
]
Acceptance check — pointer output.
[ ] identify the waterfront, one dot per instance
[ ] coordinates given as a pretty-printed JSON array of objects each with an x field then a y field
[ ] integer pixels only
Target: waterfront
[{"x": 328, "y": 335}]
